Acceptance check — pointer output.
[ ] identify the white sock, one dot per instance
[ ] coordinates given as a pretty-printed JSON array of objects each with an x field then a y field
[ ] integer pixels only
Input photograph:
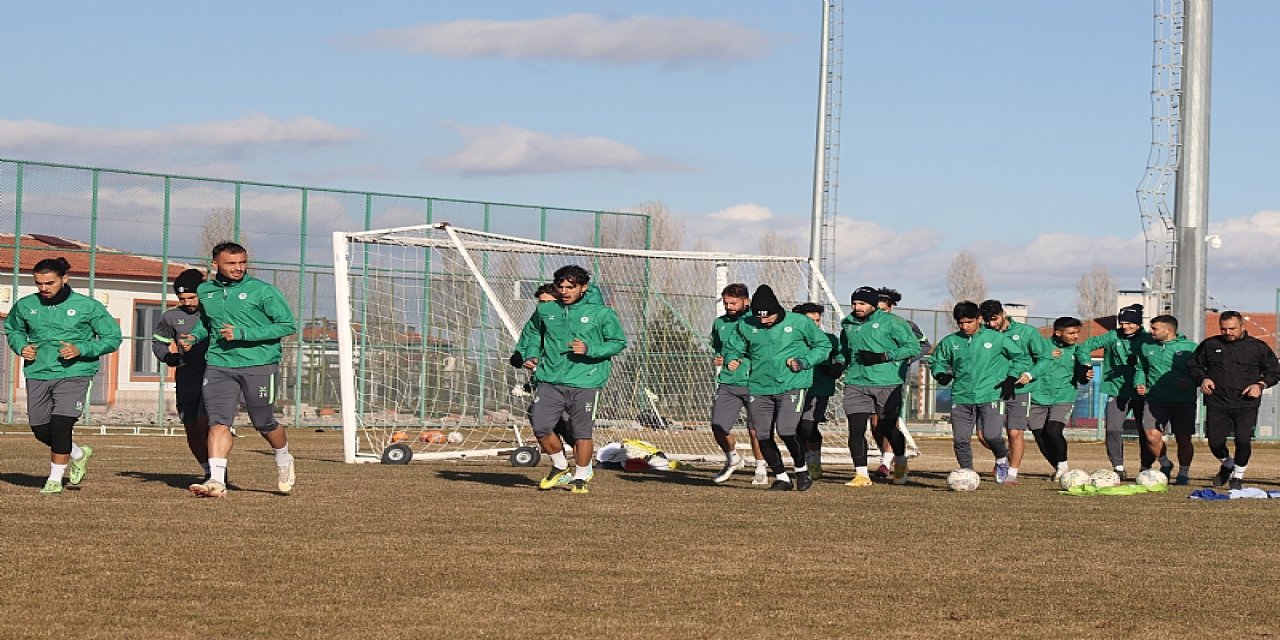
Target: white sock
[
  {"x": 583, "y": 472},
  {"x": 1237, "y": 472},
  {"x": 1013, "y": 472},
  {"x": 760, "y": 464},
  {"x": 56, "y": 472},
  {"x": 1004, "y": 460},
  {"x": 1119, "y": 468},
  {"x": 559, "y": 461},
  {"x": 732, "y": 457},
  {"x": 1063, "y": 466},
  {"x": 218, "y": 470},
  {"x": 283, "y": 456},
  {"x": 783, "y": 477},
  {"x": 76, "y": 451},
  {"x": 802, "y": 469},
  {"x": 862, "y": 471},
  {"x": 886, "y": 459}
]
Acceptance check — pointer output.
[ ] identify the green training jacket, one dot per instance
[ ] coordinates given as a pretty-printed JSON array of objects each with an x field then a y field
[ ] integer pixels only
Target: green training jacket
[
  {"x": 1055, "y": 377},
  {"x": 78, "y": 320},
  {"x": 1033, "y": 344},
  {"x": 547, "y": 334},
  {"x": 1119, "y": 361},
  {"x": 978, "y": 363},
  {"x": 767, "y": 349},
  {"x": 880, "y": 332},
  {"x": 725, "y": 330},
  {"x": 259, "y": 313},
  {"x": 1162, "y": 368}
]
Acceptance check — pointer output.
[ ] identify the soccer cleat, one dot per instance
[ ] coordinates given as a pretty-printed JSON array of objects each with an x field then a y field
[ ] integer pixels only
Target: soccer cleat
[
  {"x": 882, "y": 473},
  {"x": 1224, "y": 474},
  {"x": 780, "y": 485},
  {"x": 51, "y": 487},
  {"x": 555, "y": 478},
  {"x": 1124, "y": 477},
  {"x": 77, "y": 466},
  {"x": 1167, "y": 469},
  {"x": 1001, "y": 472},
  {"x": 732, "y": 464},
  {"x": 900, "y": 473},
  {"x": 804, "y": 480},
  {"x": 209, "y": 489},
  {"x": 815, "y": 469},
  {"x": 285, "y": 477},
  {"x": 761, "y": 477},
  {"x": 859, "y": 480},
  {"x": 578, "y": 486},
  {"x": 1057, "y": 475},
  {"x": 1236, "y": 483}
]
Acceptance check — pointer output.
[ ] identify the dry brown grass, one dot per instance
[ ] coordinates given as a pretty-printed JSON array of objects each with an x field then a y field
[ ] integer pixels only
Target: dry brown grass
[{"x": 460, "y": 550}]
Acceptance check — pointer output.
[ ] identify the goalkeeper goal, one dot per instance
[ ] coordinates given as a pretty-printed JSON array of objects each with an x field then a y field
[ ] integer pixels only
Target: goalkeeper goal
[{"x": 429, "y": 315}]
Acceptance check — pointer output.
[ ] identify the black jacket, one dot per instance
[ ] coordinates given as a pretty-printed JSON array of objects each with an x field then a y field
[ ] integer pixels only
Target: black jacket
[{"x": 1233, "y": 366}]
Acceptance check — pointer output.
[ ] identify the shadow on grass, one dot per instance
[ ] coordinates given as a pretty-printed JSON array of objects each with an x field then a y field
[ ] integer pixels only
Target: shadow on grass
[
  {"x": 184, "y": 480},
  {"x": 488, "y": 477},
  {"x": 667, "y": 477},
  {"x": 23, "y": 479}
]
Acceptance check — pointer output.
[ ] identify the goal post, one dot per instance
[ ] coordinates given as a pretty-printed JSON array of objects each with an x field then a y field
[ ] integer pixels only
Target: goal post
[{"x": 428, "y": 317}]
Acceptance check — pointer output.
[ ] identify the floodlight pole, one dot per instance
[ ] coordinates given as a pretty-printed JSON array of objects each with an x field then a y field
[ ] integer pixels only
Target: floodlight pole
[
  {"x": 820, "y": 154},
  {"x": 1191, "y": 194}
]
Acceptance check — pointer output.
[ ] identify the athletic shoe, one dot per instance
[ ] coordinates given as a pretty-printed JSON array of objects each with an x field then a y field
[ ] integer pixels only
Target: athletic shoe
[
  {"x": 51, "y": 487},
  {"x": 762, "y": 476},
  {"x": 882, "y": 473},
  {"x": 556, "y": 478},
  {"x": 77, "y": 467},
  {"x": 1224, "y": 474},
  {"x": 900, "y": 473},
  {"x": 859, "y": 480},
  {"x": 1236, "y": 483},
  {"x": 1001, "y": 472},
  {"x": 780, "y": 485},
  {"x": 804, "y": 480},
  {"x": 1057, "y": 475},
  {"x": 578, "y": 486},
  {"x": 1181, "y": 481},
  {"x": 210, "y": 489},
  {"x": 732, "y": 464},
  {"x": 1124, "y": 477},
  {"x": 815, "y": 469},
  {"x": 285, "y": 477},
  {"x": 1167, "y": 469}
]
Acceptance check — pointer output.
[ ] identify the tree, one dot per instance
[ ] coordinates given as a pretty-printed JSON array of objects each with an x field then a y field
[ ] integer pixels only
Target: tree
[
  {"x": 1097, "y": 294},
  {"x": 964, "y": 280},
  {"x": 220, "y": 227}
]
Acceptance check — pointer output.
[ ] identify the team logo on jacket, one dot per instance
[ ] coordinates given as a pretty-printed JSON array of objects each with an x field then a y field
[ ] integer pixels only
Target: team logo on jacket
[
  {"x": 986, "y": 345},
  {"x": 71, "y": 312},
  {"x": 584, "y": 320},
  {"x": 875, "y": 325},
  {"x": 243, "y": 296},
  {"x": 1016, "y": 337},
  {"x": 786, "y": 329}
]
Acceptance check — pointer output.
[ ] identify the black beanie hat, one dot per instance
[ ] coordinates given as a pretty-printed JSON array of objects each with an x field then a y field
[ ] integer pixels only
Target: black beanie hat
[
  {"x": 188, "y": 281},
  {"x": 868, "y": 295},
  {"x": 764, "y": 302},
  {"x": 1131, "y": 313}
]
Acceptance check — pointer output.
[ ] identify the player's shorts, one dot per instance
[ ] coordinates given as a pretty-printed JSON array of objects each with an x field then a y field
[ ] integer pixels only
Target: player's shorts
[
  {"x": 1017, "y": 412},
  {"x": 60, "y": 397},
  {"x": 729, "y": 402},
  {"x": 224, "y": 387},
  {"x": 815, "y": 409},
  {"x": 1176, "y": 418},
  {"x": 552, "y": 402},
  {"x": 1042, "y": 414},
  {"x": 885, "y": 402},
  {"x": 780, "y": 411}
]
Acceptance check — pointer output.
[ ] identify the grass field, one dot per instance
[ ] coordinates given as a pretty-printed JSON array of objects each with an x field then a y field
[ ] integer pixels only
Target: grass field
[{"x": 469, "y": 550}]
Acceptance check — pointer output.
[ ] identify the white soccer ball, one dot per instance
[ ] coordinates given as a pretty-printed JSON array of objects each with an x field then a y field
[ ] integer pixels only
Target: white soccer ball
[
  {"x": 455, "y": 437},
  {"x": 1152, "y": 478},
  {"x": 1074, "y": 478},
  {"x": 1103, "y": 478},
  {"x": 963, "y": 480}
]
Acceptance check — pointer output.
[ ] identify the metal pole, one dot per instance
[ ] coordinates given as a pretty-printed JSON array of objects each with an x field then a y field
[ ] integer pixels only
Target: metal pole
[
  {"x": 1191, "y": 200},
  {"x": 820, "y": 155}
]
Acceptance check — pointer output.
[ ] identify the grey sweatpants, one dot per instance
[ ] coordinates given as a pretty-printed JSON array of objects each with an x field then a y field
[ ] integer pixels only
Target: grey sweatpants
[
  {"x": 1117, "y": 412},
  {"x": 780, "y": 411},
  {"x": 965, "y": 418}
]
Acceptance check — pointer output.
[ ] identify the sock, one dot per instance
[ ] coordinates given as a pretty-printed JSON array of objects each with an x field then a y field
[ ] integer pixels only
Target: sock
[
  {"x": 783, "y": 477},
  {"x": 76, "y": 451},
  {"x": 56, "y": 471},
  {"x": 802, "y": 469},
  {"x": 1237, "y": 472},
  {"x": 1164, "y": 460},
  {"x": 1013, "y": 472},
  {"x": 1228, "y": 462},
  {"x": 283, "y": 456},
  {"x": 583, "y": 472},
  {"x": 1119, "y": 468},
  {"x": 886, "y": 458},
  {"x": 559, "y": 461},
  {"x": 1062, "y": 466},
  {"x": 761, "y": 464},
  {"x": 1004, "y": 460},
  {"x": 1184, "y": 472},
  {"x": 218, "y": 470},
  {"x": 899, "y": 460},
  {"x": 862, "y": 471}
]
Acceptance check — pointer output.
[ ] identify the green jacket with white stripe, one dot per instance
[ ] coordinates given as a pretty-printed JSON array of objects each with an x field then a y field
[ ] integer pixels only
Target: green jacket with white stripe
[{"x": 75, "y": 319}]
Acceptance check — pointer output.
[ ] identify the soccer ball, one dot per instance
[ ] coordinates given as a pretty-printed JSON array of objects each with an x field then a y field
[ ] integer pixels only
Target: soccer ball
[
  {"x": 455, "y": 437},
  {"x": 1103, "y": 478},
  {"x": 1152, "y": 478},
  {"x": 432, "y": 436},
  {"x": 963, "y": 480},
  {"x": 1074, "y": 478}
]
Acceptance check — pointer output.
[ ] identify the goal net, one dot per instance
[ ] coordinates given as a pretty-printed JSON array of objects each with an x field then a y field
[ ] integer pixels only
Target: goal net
[{"x": 429, "y": 316}]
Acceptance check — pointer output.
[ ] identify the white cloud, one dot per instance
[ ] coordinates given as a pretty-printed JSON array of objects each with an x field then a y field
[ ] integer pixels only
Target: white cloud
[
  {"x": 742, "y": 212},
  {"x": 508, "y": 150},
  {"x": 582, "y": 37}
]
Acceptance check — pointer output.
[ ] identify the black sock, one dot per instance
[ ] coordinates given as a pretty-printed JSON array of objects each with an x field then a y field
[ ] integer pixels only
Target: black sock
[{"x": 858, "y": 438}]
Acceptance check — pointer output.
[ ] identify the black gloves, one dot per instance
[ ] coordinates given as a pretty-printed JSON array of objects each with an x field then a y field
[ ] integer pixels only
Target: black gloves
[
  {"x": 516, "y": 360},
  {"x": 830, "y": 369},
  {"x": 944, "y": 378},
  {"x": 1081, "y": 375},
  {"x": 172, "y": 359},
  {"x": 868, "y": 358},
  {"x": 1006, "y": 388}
]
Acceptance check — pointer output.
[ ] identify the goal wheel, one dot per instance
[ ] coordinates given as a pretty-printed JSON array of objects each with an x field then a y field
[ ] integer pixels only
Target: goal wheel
[
  {"x": 398, "y": 453},
  {"x": 525, "y": 457}
]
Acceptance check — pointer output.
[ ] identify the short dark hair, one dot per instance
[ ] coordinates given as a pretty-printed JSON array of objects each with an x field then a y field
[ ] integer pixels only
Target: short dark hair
[
  {"x": 547, "y": 289},
  {"x": 736, "y": 290},
  {"x": 990, "y": 308},
  {"x": 1166, "y": 319},
  {"x": 965, "y": 310},
  {"x": 572, "y": 273},
  {"x": 58, "y": 265},
  {"x": 809, "y": 307},
  {"x": 889, "y": 295},
  {"x": 1228, "y": 315},
  {"x": 233, "y": 248},
  {"x": 1066, "y": 322}
]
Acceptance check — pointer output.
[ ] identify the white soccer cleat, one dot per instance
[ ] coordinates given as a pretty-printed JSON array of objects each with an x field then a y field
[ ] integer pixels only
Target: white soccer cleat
[
  {"x": 762, "y": 476},
  {"x": 209, "y": 489},
  {"x": 285, "y": 477},
  {"x": 734, "y": 463}
]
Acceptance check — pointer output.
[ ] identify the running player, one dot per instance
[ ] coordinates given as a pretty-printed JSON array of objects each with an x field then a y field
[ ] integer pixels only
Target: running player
[
  {"x": 1165, "y": 383},
  {"x": 1119, "y": 361},
  {"x": 188, "y": 364},
  {"x": 818, "y": 399},
  {"x": 888, "y": 299},
  {"x": 1053, "y": 396},
  {"x": 731, "y": 387},
  {"x": 1027, "y": 340}
]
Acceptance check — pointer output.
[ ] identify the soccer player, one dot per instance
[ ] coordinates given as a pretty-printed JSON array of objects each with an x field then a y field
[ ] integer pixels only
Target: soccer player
[
  {"x": 782, "y": 349},
  {"x": 731, "y": 387},
  {"x": 888, "y": 299},
  {"x": 874, "y": 345},
  {"x": 1119, "y": 361},
  {"x": 547, "y": 293},
  {"x": 1053, "y": 396},
  {"x": 188, "y": 364},
  {"x": 1165, "y": 383},
  {"x": 569, "y": 342},
  {"x": 976, "y": 361},
  {"x": 60, "y": 335},
  {"x": 244, "y": 321},
  {"x": 818, "y": 398},
  {"x": 1028, "y": 341},
  {"x": 1233, "y": 369}
]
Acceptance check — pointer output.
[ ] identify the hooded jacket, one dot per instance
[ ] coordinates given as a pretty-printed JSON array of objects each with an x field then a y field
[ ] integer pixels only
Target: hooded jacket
[
  {"x": 1162, "y": 369},
  {"x": 879, "y": 332},
  {"x": 767, "y": 349},
  {"x": 68, "y": 317},
  {"x": 978, "y": 364},
  {"x": 554, "y": 325}
]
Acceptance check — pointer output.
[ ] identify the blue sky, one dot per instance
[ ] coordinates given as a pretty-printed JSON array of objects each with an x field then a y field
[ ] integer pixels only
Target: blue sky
[{"x": 1015, "y": 129}]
